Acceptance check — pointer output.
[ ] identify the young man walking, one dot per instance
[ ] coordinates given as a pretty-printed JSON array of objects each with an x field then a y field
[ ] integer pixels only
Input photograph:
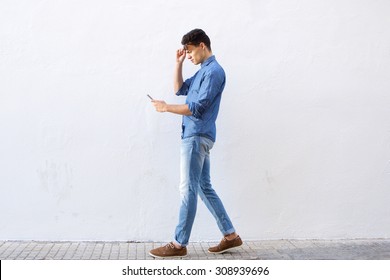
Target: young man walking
[{"x": 200, "y": 111}]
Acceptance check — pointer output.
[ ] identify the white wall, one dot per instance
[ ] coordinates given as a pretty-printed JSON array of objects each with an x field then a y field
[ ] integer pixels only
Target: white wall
[{"x": 303, "y": 148}]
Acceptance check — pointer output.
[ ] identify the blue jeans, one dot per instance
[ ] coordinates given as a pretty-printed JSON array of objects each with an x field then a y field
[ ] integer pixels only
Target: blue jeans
[{"x": 194, "y": 180}]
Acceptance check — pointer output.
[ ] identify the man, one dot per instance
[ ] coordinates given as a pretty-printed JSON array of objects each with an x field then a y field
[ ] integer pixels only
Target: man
[{"x": 199, "y": 112}]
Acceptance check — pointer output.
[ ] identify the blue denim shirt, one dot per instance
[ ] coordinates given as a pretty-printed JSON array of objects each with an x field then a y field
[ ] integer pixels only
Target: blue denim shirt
[{"x": 203, "y": 91}]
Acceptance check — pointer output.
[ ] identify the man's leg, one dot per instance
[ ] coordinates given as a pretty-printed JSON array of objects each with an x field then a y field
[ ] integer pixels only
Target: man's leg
[
  {"x": 191, "y": 164},
  {"x": 214, "y": 204},
  {"x": 212, "y": 200}
]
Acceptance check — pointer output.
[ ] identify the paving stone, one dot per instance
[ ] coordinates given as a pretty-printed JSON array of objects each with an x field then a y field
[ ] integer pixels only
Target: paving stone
[
  {"x": 26, "y": 251},
  {"x": 53, "y": 251},
  {"x": 114, "y": 254},
  {"x": 105, "y": 255},
  {"x": 14, "y": 255},
  {"x": 132, "y": 251},
  {"x": 62, "y": 251},
  {"x": 71, "y": 251},
  {"x": 3, "y": 249},
  {"x": 90, "y": 247},
  {"x": 79, "y": 251},
  {"x": 123, "y": 251},
  {"x": 8, "y": 249},
  {"x": 44, "y": 251},
  {"x": 140, "y": 251},
  {"x": 97, "y": 251},
  {"x": 34, "y": 252}
]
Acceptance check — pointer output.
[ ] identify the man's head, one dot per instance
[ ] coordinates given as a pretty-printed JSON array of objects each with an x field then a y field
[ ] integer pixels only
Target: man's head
[{"x": 197, "y": 45}]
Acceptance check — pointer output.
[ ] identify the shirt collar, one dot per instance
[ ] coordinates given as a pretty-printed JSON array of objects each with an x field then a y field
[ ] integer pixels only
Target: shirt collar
[{"x": 208, "y": 61}]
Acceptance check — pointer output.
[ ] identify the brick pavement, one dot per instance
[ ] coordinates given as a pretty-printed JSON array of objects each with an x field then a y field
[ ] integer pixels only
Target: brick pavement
[{"x": 362, "y": 249}]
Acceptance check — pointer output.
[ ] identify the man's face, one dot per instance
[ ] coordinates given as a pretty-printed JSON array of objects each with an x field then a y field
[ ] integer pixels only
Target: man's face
[{"x": 195, "y": 53}]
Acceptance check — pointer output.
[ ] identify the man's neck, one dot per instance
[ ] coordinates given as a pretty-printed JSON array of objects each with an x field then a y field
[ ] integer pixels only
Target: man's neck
[{"x": 207, "y": 56}]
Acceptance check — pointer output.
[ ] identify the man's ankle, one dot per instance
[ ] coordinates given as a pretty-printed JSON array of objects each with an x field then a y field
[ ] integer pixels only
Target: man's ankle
[
  {"x": 177, "y": 245},
  {"x": 231, "y": 236}
]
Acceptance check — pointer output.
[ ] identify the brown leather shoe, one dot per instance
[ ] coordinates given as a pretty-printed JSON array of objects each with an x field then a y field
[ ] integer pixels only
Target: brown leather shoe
[
  {"x": 226, "y": 245},
  {"x": 168, "y": 251}
]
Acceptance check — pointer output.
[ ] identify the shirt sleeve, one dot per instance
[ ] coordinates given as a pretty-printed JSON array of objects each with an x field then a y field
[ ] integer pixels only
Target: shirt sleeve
[
  {"x": 211, "y": 86},
  {"x": 185, "y": 86}
]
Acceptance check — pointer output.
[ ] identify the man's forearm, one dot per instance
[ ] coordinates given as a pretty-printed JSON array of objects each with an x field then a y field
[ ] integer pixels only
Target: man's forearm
[
  {"x": 182, "y": 109},
  {"x": 178, "y": 77}
]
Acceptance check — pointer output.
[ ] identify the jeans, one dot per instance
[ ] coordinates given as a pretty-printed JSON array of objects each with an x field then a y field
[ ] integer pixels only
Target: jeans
[{"x": 194, "y": 180}]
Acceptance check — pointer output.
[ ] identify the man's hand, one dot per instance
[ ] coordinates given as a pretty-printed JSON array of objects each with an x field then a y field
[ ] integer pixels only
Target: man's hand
[
  {"x": 180, "y": 55},
  {"x": 160, "y": 105}
]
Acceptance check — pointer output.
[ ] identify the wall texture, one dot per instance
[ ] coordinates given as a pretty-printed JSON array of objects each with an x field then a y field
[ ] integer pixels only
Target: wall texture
[{"x": 303, "y": 148}]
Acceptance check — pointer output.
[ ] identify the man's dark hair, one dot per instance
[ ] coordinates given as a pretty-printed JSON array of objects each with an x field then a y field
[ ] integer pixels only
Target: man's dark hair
[{"x": 195, "y": 37}]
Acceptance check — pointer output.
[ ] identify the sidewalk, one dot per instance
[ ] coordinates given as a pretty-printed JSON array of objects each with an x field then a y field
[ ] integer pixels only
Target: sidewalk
[{"x": 362, "y": 249}]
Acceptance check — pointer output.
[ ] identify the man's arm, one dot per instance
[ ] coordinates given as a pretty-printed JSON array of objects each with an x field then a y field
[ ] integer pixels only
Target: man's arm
[
  {"x": 178, "y": 76},
  {"x": 181, "y": 109}
]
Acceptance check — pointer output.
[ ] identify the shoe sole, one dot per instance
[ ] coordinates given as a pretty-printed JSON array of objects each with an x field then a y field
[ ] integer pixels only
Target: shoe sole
[
  {"x": 221, "y": 252},
  {"x": 171, "y": 257}
]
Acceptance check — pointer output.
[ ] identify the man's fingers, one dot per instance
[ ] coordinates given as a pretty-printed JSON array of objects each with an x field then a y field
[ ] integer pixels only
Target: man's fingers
[
  {"x": 157, "y": 103},
  {"x": 180, "y": 52}
]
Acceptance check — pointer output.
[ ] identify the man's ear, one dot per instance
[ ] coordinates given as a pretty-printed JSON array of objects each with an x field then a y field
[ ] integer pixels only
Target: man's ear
[{"x": 203, "y": 45}]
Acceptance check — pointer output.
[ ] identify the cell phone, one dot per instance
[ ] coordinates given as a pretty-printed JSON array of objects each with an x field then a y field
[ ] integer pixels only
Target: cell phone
[{"x": 149, "y": 97}]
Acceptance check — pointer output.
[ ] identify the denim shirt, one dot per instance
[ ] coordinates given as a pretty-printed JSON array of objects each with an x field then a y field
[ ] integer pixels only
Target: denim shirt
[{"x": 203, "y": 91}]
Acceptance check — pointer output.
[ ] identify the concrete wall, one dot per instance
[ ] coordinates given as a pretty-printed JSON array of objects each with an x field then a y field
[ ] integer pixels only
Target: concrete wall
[{"x": 303, "y": 148}]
